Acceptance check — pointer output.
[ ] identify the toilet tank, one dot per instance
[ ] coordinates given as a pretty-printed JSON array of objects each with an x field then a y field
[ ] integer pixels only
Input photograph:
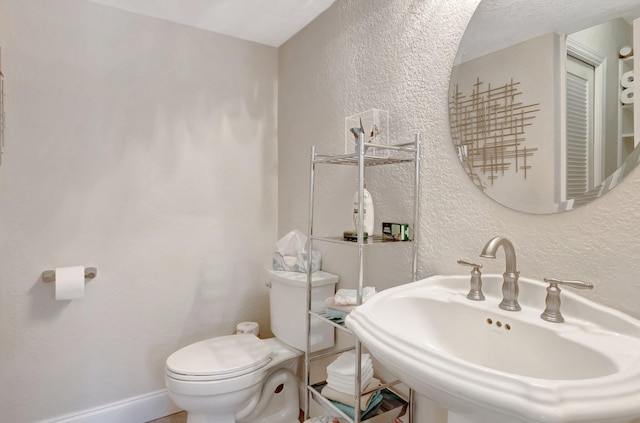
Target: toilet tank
[{"x": 288, "y": 305}]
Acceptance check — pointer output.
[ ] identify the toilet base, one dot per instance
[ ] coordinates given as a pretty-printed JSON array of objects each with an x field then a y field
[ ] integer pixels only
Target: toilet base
[
  {"x": 266, "y": 395},
  {"x": 278, "y": 400}
]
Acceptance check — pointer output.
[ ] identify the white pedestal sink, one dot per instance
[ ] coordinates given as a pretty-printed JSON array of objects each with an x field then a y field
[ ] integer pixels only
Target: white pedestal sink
[{"x": 485, "y": 364}]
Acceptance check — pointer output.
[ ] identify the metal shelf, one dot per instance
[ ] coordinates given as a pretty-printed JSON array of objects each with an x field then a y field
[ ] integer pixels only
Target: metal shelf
[
  {"x": 399, "y": 153},
  {"x": 391, "y": 407},
  {"x": 372, "y": 239},
  {"x": 337, "y": 322}
]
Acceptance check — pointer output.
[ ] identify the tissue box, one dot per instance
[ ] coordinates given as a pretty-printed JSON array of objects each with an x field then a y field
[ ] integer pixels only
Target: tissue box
[
  {"x": 283, "y": 263},
  {"x": 291, "y": 254},
  {"x": 395, "y": 231},
  {"x": 374, "y": 124}
]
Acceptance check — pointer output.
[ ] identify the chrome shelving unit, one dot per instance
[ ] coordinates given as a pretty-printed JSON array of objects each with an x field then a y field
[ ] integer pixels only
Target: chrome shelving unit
[{"x": 393, "y": 404}]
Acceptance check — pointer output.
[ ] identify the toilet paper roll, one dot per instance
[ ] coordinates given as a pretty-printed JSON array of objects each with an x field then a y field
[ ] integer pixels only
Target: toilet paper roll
[
  {"x": 248, "y": 327},
  {"x": 626, "y": 51},
  {"x": 69, "y": 282},
  {"x": 626, "y": 96},
  {"x": 626, "y": 80}
]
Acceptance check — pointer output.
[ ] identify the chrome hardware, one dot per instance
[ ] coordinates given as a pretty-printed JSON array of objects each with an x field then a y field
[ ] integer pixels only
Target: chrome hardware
[
  {"x": 475, "y": 292},
  {"x": 50, "y": 275},
  {"x": 510, "y": 276},
  {"x": 552, "y": 310}
]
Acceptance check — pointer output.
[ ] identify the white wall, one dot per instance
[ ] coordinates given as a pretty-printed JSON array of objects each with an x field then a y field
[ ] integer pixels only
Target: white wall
[
  {"x": 531, "y": 65},
  {"x": 397, "y": 55},
  {"x": 147, "y": 149}
]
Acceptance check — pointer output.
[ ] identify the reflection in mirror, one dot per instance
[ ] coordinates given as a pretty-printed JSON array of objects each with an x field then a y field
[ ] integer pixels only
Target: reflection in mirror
[{"x": 541, "y": 101}]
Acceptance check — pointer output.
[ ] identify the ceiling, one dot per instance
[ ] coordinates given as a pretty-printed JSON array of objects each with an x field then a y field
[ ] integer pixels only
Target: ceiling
[{"x": 270, "y": 22}]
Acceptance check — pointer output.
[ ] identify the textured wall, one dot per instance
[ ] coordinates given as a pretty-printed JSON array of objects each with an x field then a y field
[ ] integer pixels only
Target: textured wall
[
  {"x": 397, "y": 55},
  {"x": 144, "y": 148}
]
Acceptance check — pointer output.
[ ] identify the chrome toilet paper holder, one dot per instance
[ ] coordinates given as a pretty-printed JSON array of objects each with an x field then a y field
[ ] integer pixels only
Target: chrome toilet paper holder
[{"x": 50, "y": 275}]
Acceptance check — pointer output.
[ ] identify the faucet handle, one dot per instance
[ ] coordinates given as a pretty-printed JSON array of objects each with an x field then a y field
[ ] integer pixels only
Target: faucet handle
[
  {"x": 552, "y": 311},
  {"x": 573, "y": 284},
  {"x": 475, "y": 292},
  {"x": 468, "y": 263}
]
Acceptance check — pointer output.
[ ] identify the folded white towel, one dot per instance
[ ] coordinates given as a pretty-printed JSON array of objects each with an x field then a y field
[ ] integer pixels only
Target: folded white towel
[
  {"x": 350, "y": 400},
  {"x": 345, "y": 364},
  {"x": 365, "y": 373},
  {"x": 341, "y": 373},
  {"x": 349, "y": 296},
  {"x": 330, "y": 303},
  {"x": 348, "y": 386}
]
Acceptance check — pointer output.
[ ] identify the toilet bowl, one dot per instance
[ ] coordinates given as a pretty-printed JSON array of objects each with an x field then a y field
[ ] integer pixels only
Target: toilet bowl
[
  {"x": 242, "y": 378},
  {"x": 232, "y": 379}
]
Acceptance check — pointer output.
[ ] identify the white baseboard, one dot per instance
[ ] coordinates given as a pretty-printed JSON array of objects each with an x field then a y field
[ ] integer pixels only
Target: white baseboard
[{"x": 138, "y": 409}]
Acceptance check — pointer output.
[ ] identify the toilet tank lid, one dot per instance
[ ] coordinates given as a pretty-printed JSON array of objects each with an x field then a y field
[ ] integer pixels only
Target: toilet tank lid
[{"x": 298, "y": 279}]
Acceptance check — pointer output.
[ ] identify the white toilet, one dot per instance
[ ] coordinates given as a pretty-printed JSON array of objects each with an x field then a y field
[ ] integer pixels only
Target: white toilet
[{"x": 244, "y": 379}]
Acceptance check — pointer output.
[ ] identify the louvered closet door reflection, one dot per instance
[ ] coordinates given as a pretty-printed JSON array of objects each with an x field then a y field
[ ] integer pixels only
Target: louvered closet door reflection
[{"x": 580, "y": 92}]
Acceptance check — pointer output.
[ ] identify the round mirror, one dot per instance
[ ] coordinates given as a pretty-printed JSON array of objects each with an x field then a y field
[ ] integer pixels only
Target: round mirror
[{"x": 541, "y": 100}]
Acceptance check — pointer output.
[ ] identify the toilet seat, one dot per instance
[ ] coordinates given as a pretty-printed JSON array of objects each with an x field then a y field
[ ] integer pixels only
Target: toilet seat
[{"x": 219, "y": 358}]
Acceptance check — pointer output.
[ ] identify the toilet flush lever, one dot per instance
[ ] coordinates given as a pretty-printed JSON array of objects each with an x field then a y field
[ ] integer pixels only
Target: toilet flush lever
[
  {"x": 475, "y": 292},
  {"x": 552, "y": 311}
]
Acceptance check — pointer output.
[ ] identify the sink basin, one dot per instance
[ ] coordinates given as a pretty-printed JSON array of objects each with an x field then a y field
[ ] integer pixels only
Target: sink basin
[{"x": 490, "y": 365}]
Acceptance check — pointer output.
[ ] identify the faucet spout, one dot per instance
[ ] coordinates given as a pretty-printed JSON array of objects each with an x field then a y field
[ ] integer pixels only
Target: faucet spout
[
  {"x": 490, "y": 249},
  {"x": 510, "y": 276}
]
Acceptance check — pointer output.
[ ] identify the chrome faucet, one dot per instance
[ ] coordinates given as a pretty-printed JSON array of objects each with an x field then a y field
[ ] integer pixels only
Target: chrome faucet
[{"x": 510, "y": 276}]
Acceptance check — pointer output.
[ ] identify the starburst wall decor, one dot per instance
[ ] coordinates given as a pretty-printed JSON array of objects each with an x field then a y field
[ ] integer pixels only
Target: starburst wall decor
[{"x": 488, "y": 129}]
